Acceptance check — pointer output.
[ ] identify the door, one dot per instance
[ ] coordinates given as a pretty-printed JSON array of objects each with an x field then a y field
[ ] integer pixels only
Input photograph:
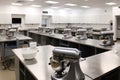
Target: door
[
  {"x": 118, "y": 26},
  {"x": 46, "y": 20}
]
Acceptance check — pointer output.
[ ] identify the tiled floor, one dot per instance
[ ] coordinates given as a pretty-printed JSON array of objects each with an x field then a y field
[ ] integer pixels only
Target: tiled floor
[{"x": 6, "y": 74}]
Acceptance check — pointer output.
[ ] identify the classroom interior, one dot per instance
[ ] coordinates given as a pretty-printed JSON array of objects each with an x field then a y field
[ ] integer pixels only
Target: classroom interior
[{"x": 59, "y": 40}]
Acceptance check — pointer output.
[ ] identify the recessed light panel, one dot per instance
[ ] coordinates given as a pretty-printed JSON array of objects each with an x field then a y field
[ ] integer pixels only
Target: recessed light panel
[
  {"x": 85, "y": 6},
  {"x": 55, "y": 7},
  {"x": 67, "y": 8},
  {"x": 17, "y": 4},
  {"x": 51, "y": 2},
  {"x": 111, "y": 3},
  {"x": 69, "y": 4},
  {"x": 29, "y": 0},
  {"x": 36, "y": 5}
]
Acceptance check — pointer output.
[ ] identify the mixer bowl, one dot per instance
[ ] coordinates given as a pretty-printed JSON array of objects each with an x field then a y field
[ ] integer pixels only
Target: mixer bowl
[{"x": 29, "y": 53}]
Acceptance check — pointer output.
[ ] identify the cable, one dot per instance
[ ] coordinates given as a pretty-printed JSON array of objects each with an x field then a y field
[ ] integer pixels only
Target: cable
[{"x": 88, "y": 76}]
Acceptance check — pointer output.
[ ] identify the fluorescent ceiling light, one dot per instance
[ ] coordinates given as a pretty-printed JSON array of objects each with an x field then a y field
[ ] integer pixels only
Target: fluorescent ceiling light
[
  {"x": 51, "y": 2},
  {"x": 17, "y": 4},
  {"x": 29, "y": 0},
  {"x": 36, "y": 5},
  {"x": 55, "y": 7},
  {"x": 25, "y": 0},
  {"x": 67, "y": 8},
  {"x": 111, "y": 3},
  {"x": 85, "y": 6},
  {"x": 69, "y": 4}
]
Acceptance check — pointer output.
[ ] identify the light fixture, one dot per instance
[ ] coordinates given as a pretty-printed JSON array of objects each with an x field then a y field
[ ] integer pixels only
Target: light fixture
[
  {"x": 36, "y": 5},
  {"x": 67, "y": 8},
  {"x": 29, "y": 0},
  {"x": 51, "y": 2},
  {"x": 16, "y": 4},
  {"x": 69, "y": 4},
  {"x": 85, "y": 6},
  {"x": 111, "y": 3},
  {"x": 22, "y": 1},
  {"x": 55, "y": 7}
]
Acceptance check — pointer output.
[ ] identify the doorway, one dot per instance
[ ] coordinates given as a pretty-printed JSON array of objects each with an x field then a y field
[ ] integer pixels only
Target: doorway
[
  {"x": 46, "y": 20},
  {"x": 118, "y": 26}
]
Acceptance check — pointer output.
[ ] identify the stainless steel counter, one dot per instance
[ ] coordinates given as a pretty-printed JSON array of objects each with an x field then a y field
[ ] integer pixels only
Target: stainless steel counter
[
  {"x": 39, "y": 66},
  {"x": 4, "y": 38},
  {"x": 88, "y": 42},
  {"x": 98, "y": 65},
  {"x": 6, "y": 44},
  {"x": 94, "y": 66}
]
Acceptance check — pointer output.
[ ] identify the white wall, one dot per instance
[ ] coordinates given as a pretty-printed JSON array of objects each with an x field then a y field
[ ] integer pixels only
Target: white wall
[
  {"x": 9, "y": 10},
  {"x": 95, "y": 15},
  {"x": 96, "y": 18},
  {"x": 19, "y": 10}
]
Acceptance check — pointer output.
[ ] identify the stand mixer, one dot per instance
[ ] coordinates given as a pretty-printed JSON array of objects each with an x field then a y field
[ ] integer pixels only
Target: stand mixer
[
  {"x": 81, "y": 34},
  {"x": 67, "y": 33},
  {"x": 43, "y": 29},
  {"x": 65, "y": 62},
  {"x": 11, "y": 32},
  {"x": 108, "y": 38},
  {"x": 51, "y": 31}
]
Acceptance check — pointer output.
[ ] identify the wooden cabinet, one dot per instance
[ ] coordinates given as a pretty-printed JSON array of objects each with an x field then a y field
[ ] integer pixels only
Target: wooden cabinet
[
  {"x": 52, "y": 41},
  {"x": 86, "y": 50},
  {"x": 24, "y": 74},
  {"x": 33, "y": 36}
]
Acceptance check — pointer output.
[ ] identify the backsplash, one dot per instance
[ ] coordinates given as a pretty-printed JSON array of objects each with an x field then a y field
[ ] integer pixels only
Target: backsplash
[
  {"x": 93, "y": 25},
  {"x": 31, "y": 26},
  {"x": 5, "y": 26},
  {"x": 26, "y": 26},
  {"x": 57, "y": 25}
]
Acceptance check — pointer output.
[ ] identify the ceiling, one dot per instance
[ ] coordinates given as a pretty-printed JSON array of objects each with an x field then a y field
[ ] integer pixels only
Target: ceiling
[{"x": 91, "y": 3}]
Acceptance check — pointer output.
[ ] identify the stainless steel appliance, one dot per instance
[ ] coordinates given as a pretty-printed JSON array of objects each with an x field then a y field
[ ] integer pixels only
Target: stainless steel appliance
[
  {"x": 65, "y": 62},
  {"x": 108, "y": 38}
]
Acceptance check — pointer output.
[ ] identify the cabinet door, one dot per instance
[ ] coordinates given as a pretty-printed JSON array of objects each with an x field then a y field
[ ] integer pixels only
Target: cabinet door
[
  {"x": 32, "y": 19},
  {"x": 5, "y": 19}
]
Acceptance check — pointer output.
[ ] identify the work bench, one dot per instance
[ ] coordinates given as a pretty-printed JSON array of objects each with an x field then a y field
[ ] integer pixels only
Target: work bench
[
  {"x": 6, "y": 44},
  {"x": 104, "y": 66},
  {"x": 101, "y": 62},
  {"x": 88, "y": 47}
]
